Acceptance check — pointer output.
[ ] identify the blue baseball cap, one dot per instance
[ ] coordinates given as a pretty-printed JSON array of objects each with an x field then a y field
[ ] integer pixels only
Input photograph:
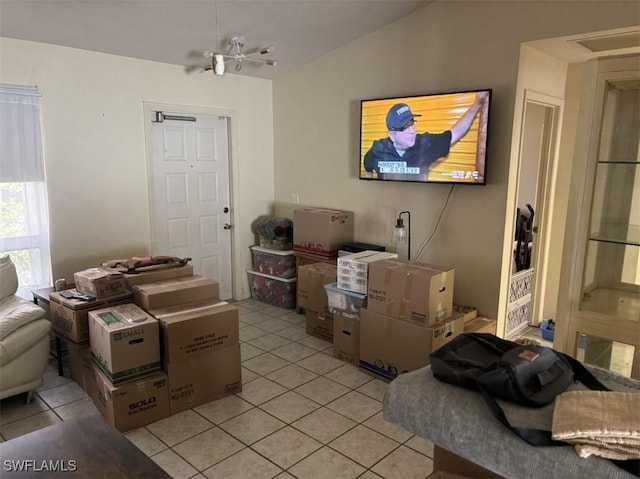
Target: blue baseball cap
[{"x": 398, "y": 116}]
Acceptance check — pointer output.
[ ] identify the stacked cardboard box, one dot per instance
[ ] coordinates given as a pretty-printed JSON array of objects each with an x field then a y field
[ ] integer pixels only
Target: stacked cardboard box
[
  {"x": 199, "y": 339},
  {"x": 175, "y": 291},
  {"x": 100, "y": 282},
  {"x": 481, "y": 325},
  {"x": 346, "y": 339},
  {"x": 321, "y": 231},
  {"x": 318, "y": 235},
  {"x": 200, "y": 352},
  {"x": 154, "y": 276},
  {"x": 70, "y": 315},
  {"x": 418, "y": 292},
  {"x": 474, "y": 323},
  {"x": 346, "y": 297},
  {"x": 409, "y": 314},
  {"x": 313, "y": 299},
  {"x": 126, "y": 382},
  {"x": 390, "y": 346},
  {"x": 170, "y": 349}
]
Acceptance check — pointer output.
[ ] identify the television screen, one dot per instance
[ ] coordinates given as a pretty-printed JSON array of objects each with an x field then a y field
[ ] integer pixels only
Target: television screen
[{"x": 434, "y": 138}]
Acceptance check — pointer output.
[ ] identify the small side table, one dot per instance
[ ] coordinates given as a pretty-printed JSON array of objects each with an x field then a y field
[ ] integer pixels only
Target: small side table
[{"x": 41, "y": 298}]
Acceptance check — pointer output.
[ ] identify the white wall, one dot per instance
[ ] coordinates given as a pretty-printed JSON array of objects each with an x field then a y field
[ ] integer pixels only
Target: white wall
[
  {"x": 446, "y": 46},
  {"x": 94, "y": 144},
  {"x": 93, "y": 130}
]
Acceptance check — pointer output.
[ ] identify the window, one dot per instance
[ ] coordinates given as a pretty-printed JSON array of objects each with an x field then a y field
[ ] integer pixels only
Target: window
[{"x": 24, "y": 218}]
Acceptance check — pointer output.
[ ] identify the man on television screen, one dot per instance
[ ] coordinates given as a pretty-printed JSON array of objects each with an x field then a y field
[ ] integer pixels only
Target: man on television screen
[{"x": 405, "y": 152}]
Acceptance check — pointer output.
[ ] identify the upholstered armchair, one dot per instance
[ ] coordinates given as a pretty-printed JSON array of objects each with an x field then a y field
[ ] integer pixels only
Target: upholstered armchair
[{"x": 24, "y": 337}]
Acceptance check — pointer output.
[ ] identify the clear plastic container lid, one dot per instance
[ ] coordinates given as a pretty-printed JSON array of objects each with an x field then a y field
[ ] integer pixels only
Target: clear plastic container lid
[
  {"x": 284, "y": 280},
  {"x": 260, "y": 249}
]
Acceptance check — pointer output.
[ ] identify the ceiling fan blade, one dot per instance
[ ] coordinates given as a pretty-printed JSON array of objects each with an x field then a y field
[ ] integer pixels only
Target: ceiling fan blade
[{"x": 263, "y": 61}]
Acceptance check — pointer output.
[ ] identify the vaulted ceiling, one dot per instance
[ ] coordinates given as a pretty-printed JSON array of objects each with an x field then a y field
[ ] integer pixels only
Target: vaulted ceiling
[{"x": 177, "y": 31}]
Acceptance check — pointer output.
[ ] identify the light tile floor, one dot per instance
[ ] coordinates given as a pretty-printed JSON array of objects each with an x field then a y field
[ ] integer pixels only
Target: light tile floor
[{"x": 301, "y": 414}]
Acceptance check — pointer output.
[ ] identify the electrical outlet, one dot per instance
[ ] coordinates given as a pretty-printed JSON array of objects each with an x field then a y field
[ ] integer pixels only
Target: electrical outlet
[{"x": 294, "y": 198}]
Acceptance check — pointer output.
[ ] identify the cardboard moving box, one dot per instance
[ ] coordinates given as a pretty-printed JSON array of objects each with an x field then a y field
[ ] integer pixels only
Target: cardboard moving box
[
  {"x": 391, "y": 346},
  {"x": 174, "y": 291},
  {"x": 70, "y": 317},
  {"x": 319, "y": 325},
  {"x": 131, "y": 405},
  {"x": 203, "y": 378},
  {"x": 311, "y": 281},
  {"x": 321, "y": 231},
  {"x": 125, "y": 342},
  {"x": 100, "y": 282},
  {"x": 79, "y": 359},
  {"x": 193, "y": 332},
  {"x": 469, "y": 312},
  {"x": 481, "y": 325},
  {"x": 346, "y": 339},
  {"x": 418, "y": 292},
  {"x": 158, "y": 275}
]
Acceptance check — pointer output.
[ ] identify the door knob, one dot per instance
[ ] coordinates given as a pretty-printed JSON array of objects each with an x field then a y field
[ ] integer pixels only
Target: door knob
[{"x": 227, "y": 226}]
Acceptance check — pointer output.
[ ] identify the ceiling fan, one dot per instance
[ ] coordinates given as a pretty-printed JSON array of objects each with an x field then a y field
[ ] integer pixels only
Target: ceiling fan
[{"x": 237, "y": 56}]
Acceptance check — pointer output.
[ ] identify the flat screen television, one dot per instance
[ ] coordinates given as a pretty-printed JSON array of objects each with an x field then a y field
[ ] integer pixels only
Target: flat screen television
[{"x": 432, "y": 138}]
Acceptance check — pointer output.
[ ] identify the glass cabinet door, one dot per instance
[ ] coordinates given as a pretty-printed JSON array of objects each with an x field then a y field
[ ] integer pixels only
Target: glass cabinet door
[
  {"x": 611, "y": 271},
  {"x": 611, "y": 283}
]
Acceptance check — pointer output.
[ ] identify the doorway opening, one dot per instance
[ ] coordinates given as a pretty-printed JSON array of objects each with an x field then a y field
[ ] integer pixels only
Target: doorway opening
[
  {"x": 188, "y": 170},
  {"x": 534, "y": 195}
]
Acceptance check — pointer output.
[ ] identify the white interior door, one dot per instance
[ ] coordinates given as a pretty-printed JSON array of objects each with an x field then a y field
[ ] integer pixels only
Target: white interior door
[{"x": 190, "y": 198}]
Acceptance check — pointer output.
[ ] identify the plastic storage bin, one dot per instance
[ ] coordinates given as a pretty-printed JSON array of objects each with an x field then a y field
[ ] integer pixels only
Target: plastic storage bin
[
  {"x": 275, "y": 233},
  {"x": 547, "y": 329},
  {"x": 343, "y": 302},
  {"x": 280, "y": 292},
  {"x": 275, "y": 263}
]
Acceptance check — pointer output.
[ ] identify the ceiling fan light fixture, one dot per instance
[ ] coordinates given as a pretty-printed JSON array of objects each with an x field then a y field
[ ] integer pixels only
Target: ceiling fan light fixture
[
  {"x": 218, "y": 64},
  {"x": 236, "y": 55}
]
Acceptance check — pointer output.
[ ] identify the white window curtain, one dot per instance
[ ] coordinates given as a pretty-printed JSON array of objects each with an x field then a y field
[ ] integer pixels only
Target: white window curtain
[{"x": 24, "y": 212}]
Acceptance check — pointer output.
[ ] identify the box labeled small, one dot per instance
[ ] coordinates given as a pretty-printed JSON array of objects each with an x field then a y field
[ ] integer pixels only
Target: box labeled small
[{"x": 125, "y": 342}]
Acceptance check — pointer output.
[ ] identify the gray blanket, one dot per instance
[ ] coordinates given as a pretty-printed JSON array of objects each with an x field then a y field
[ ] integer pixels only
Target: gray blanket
[{"x": 459, "y": 421}]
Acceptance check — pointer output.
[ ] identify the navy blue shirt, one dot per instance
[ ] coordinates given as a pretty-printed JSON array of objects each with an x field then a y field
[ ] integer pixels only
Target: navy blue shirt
[{"x": 383, "y": 158}]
